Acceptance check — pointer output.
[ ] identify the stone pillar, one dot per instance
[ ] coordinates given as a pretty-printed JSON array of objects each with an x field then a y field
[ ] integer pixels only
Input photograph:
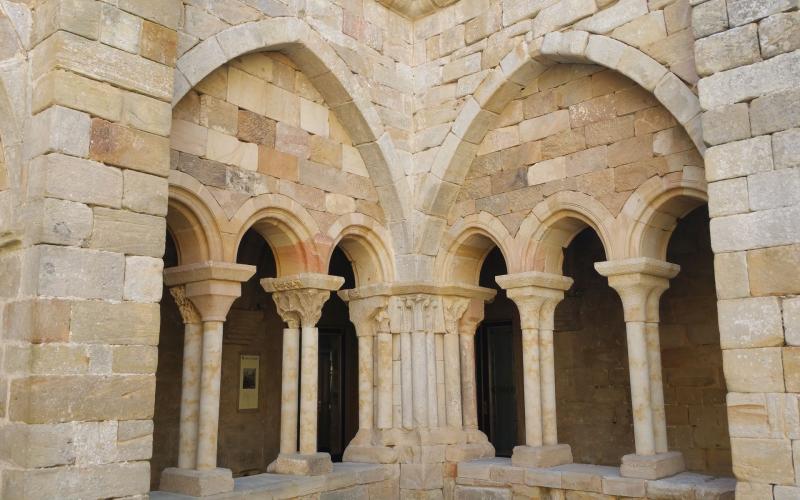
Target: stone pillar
[
  {"x": 454, "y": 309},
  {"x": 640, "y": 283},
  {"x": 536, "y": 295},
  {"x": 299, "y": 299},
  {"x": 212, "y": 288}
]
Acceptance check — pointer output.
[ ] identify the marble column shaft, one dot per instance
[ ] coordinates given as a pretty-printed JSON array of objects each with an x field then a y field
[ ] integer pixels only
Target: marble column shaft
[
  {"x": 309, "y": 385},
  {"x": 469, "y": 394},
  {"x": 365, "y": 381},
  {"x": 208, "y": 421},
  {"x": 384, "y": 379},
  {"x": 290, "y": 373}
]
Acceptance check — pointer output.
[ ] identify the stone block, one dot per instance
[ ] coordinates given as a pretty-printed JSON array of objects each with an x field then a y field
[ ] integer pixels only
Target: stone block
[
  {"x": 791, "y": 320},
  {"x": 130, "y": 148},
  {"x": 37, "y": 320},
  {"x": 753, "y": 370},
  {"x": 459, "y": 68},
  {"x": 766, "y": 228},
  {"x": 128, "y": 232},
  {"x": 779, "y": 33},
  {"x": 60, "y": 130},
  {"x": 50, "y": 399},
  {"x": 728, "y": 197},
  {"x": 624, "y": 486},
  {"x": 158, "y": 43},
  {"x": 325, "y": 151},
  {"x": 753, "y": 491},
  {"x": 730, "y": 273},
  {"x": 229, "y": 150},
  {"x": 562, "y": 14},
  {"x": 763, "y": 460},
  {"x": 127, "y": 323},
  {"x": 480, "y": 493},
  {"x": 134, "y": 359},
  {"x": 302, "y": 465},
  {"x": 196, "y": 483},
  {"x": 614, "y": 16},
  {"x": 255, "y": 128},
  {"x": 120, "y": 29},
  {"x": 544, "y": 126},
  {"x": 709, "y": 18},
  {"x": 750, "y": 322},
  {"x": 680, "y": 486},
  {"x": 541, "y": 456},
  {"x": 144, "y": 193},
  {"x": 747, "y": 82},
  {"x": 143, "y": 279},
  {"x": 774, "y": 189},
  {"x": 282, "y": 106},
  {"x": 775, "y": 112},
  {"x": 96, "y": 481},
  {"x": 147, "y": 114},
  {"x": 652, "y": 467},
  {"x": 630, "y": 150},
  {"x": 73, "y": 91},
  {"x": 188, "y": 137},
  {"x": 739, "y": 158},
  {"x": 421, "y": 476},
  {"x": 609, "y": 131},
  {"x": 726, "y": 124},
  {"x": 642, "y": 30},
  {"x": 64, "y": 177},
  {"x": 209, "y": 173},
  {"x": 60, "y": 222},
  {"x": 314, "y": 117},
  {"x": 76, "y": 272},
  {"x": 786, "y": 148},
  {"x": 791, "y": 368},
  {"x": 730, "y": 49},
  {"x": 547, "y": 171},
  {"x": 584, "y": 477},
  {"x": 746, "y": 11},
  {"x": 786, "y": 492}
]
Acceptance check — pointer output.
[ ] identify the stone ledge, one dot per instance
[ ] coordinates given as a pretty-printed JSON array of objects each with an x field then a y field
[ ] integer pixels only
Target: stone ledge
[{"x": 484, "y": 473}]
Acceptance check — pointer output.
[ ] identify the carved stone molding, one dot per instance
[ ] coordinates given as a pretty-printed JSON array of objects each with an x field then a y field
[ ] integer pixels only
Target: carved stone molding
[
  {"x": 299, "y": 298},
  {"x": 188, "y": 312}
]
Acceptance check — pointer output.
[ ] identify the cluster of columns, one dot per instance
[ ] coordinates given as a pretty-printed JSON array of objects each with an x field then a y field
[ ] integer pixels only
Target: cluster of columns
[
  {"x": 416, "y": 370},
  {"x": 299, "y": 300},
  {"x": 204, "y": 293},
  {"x": 640, "y": 282}
]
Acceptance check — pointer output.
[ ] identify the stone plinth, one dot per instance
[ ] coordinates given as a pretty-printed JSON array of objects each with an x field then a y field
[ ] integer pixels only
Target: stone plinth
[
  {"x": 297, "y": 464},
  {"x": 196, "y": 483},
  {"x": 655, "y": 466},
  {"x": 541, "y": 456}
]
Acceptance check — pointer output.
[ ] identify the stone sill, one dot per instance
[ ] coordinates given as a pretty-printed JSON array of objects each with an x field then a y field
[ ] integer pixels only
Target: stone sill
[
  {"x": 498, "y": 474},
  {"x": 344, "y": 475}
]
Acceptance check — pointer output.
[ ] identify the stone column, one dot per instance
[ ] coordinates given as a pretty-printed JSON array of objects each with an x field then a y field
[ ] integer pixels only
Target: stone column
[
  {"x": 212, "y": 288},
  {"x": 640, "y": 283},
  {"x": 290, "y": 373},
  {"x": 190, "y": 378},
  {"x": 299, "y": 299},
  {"x": 454, "y": 309},
  {"x": 536, "y": 295}
]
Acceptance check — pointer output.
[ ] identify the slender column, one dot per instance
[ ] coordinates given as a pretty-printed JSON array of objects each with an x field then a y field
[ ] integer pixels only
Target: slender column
[
  {"x": 365, "y": 364},
  {"x": 432, "y": 385},
  {"x": 190, "y": 378},
  {"x": 469, "y": 395},
  {"x": 406, "y": 382},
  {"x": 536, "y": 295},
  {"x": 385, "y": 375},
  {"x": 290, "y": 373},
  {"x": 208, "y": 421},
  {"x": 309, "y": 382},
  {"x": 640, "y": 283}
]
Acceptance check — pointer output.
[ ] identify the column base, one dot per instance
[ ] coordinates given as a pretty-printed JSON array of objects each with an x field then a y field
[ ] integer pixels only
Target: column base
[
  {"x": 196, "y": 483},
  {"x": 656, "y": 466},
  {"x": 297, "y": 464},
  {"x": 468, "y": 451},
  {"x": 370, "y": 454},
  {"x": 541, "y": 456}
]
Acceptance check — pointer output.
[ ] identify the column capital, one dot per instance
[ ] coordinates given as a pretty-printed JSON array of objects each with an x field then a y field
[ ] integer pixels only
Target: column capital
[
  {"x": 369, "y": 315},
  {"x": 536, "y": 295},
  {"x": 639, "y": 282},
  {"x": 300, "y": 297},
  {"x": 189, "y": 313},
  {"x": 211, "y": 286}
]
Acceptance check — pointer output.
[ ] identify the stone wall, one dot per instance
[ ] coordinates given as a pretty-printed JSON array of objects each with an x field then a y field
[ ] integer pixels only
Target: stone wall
[{"x": 747, "y": 55}]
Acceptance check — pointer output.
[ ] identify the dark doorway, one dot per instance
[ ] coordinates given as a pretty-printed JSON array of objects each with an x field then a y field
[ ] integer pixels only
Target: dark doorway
[
  {"x": 497, "y": 363},
  {"x": 337, "y": 401}
]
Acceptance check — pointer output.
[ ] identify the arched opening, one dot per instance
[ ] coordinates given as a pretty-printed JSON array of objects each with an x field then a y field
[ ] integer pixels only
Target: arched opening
[
  {"x": 694, "y": 386},
  {"x": 591, "y": 363},
  {"x": 337, "y": 419},
  {"x": 498, "y": 362}
]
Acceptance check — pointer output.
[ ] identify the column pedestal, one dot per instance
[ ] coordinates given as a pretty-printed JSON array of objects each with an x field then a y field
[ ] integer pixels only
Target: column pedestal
[
  {"x": 655, "y": 466},
  {"x": 541, "y": 456},
  {"x": 196, "y": 483},
  {"x": 299, "y": 464}
]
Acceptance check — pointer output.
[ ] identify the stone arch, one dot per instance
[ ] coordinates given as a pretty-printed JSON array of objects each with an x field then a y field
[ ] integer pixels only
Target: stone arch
[
  {"x": 654, "y": 209},
  {"x": 552, "y": 225},
  {"x": 285, "y": 225},
  {"x": 467, "y": 244},
  {"x": 522, "y": 65},
  {"x": 338, "y": 86},
  {"x": 366, "y": 244},
  {"x": 193, "y": 220}
]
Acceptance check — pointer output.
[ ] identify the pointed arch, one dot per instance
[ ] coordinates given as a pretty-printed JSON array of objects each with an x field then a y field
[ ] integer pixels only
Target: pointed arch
[{"x": 340, "y": 89}]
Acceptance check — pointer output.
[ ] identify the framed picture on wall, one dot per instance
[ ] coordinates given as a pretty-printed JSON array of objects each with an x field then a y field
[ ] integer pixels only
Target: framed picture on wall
[{"x": 248, "y": 381}]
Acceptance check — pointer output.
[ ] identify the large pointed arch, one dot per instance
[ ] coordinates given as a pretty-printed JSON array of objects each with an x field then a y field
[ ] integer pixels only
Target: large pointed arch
[{"x": 330, "y": 75}]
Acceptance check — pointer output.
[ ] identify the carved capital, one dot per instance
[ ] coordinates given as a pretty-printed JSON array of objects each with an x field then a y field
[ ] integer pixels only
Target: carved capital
[
  {"x": 454, "y": 309},
  {"x": 367, "y": 314},
  {"x": 188, "y": 312},
  {"x": 300, "y": 307}
]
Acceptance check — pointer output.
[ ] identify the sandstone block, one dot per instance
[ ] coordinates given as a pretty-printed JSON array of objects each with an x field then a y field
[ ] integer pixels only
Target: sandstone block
[
  {"x": 339, "y": 204},
  {"x": 739, "y": 158},
  {"x": 60, "y": 222},
  {"x": 292, "y": 140},
  {"x": 49, "y": 399},
  {"x": 775, "y": 112},
  {"x": 726, "y": 124},
  {"x": 557, "y": 16},
  {"x": 60, "y": 130},
  {"x": 126, "y": 147},
  {"x": 143, "y": 279},
  {"x": 458, "y": 68},
  {"x": 730, "y": 49},
  {"x": 753, "y": 491},
  {"x": 544, "y": 126},
  {"x": 546, "y": 171},
  {"x": 64, "y": 177},
  {"x": 73, "y": 91},
  {"x": 709, "y": 18},
  {"x": 120, "y": 29},
  {"x": 284, "y": 106},
  {"x": 775, "y": 270},
  {"x": 158, "y": 43},
  {"x": 777, "y": 188},
  {"x": 144, "y": 193},
  {"x": 421, "y": 476},
  {"x": 97, "y": 481},
  {"x": 746, "y": 11},
  {"x": 128, "y": 232},
  {"x": 127, "y": 323},
  {"x": 642, "y": 30},
  {"x": 791, "y": 320},
  {"x": 229, "y": 150},
  {"x": 609, "y": 131},
  {"x": 786, "y": 492},
  {"x": 766, "y": 228},
  {"x": 753, "y": 370},
  {"x": 189, "y": 137},
  {"x": 255, "y": 128},
  {"x": 134, "y": 359},
  {"x": 30, "y": 446},
  {"x": 630, "y": 150},
  {"x": 37, "y": 320},
  {"x": 210, "y": 173},
  {"x": 750, "y": 322},
  {"x": 325, "y": 151},
  {"x": 612, "y": 17},
  {"x": 652, "y": 467},
  {"x": 728, "y": 197},
  {"x": 303, "y": 465},
  {"x": 74, "y": 272},
  {"x": 495, "y": 140},
  {"x": 740, "y": 84},
  {"x": 791, "y": 368},
  {"x": 786, "y": 148},
  {"x": 763, "y": 460},
  {"x": 81, "y": 17},
  {"x": 147, "y": 114},
  {"x": 779, "y": 33}
]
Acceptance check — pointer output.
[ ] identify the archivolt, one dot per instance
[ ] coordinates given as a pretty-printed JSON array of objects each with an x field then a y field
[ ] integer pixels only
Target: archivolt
[
  {"x": 366, "y": 244},
  {"x": 466, "y": 245},
  {"x": 192, "y": 219}
]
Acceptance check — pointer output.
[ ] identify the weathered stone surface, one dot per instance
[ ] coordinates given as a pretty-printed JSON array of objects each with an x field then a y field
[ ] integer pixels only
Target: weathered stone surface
[
  {"x": 60, "y": 222},
  {"x": 739, "y": 158},
  {"x": 125, "y": 147},
  {"x": 144, "y": 193},
  {"x": 779, "y": 33},
  {"x": 101, "y": 481},
  {"x": 709, "y": 18},
  {"x": 128, "y": 232},
  {"x": 146, "y": 114},
  {"x": 37, "y": 320},
  {"x": 791, "y": 320},
  {"x": 753, "y": 370},
  {"x": 745, "y": 11},
  {"x": 48, "y": 399},
  {"x": 60, "y": 130},
  {"x": 729, "y": 49},
  {"x": 755, "y": 230},
  {"x": 763, "y": 459},
  {"x": 774, "y": 271},
  {"x": 74, "y": 272},
  {"x": 61, "y": 176},
  {"x": 727, "y": 124},
  {"x": 110, "y": 323},
  {"x": 775, "y": 112},
  {"x": 73, "y": 91},
  {"x": 143, "y": 279},
  {"x": 728, "y": 197},
  {"x": 751, "y": 322}
]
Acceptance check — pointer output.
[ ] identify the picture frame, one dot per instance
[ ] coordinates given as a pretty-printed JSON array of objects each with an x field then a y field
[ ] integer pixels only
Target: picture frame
[{"x": 249, "y": 375}]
